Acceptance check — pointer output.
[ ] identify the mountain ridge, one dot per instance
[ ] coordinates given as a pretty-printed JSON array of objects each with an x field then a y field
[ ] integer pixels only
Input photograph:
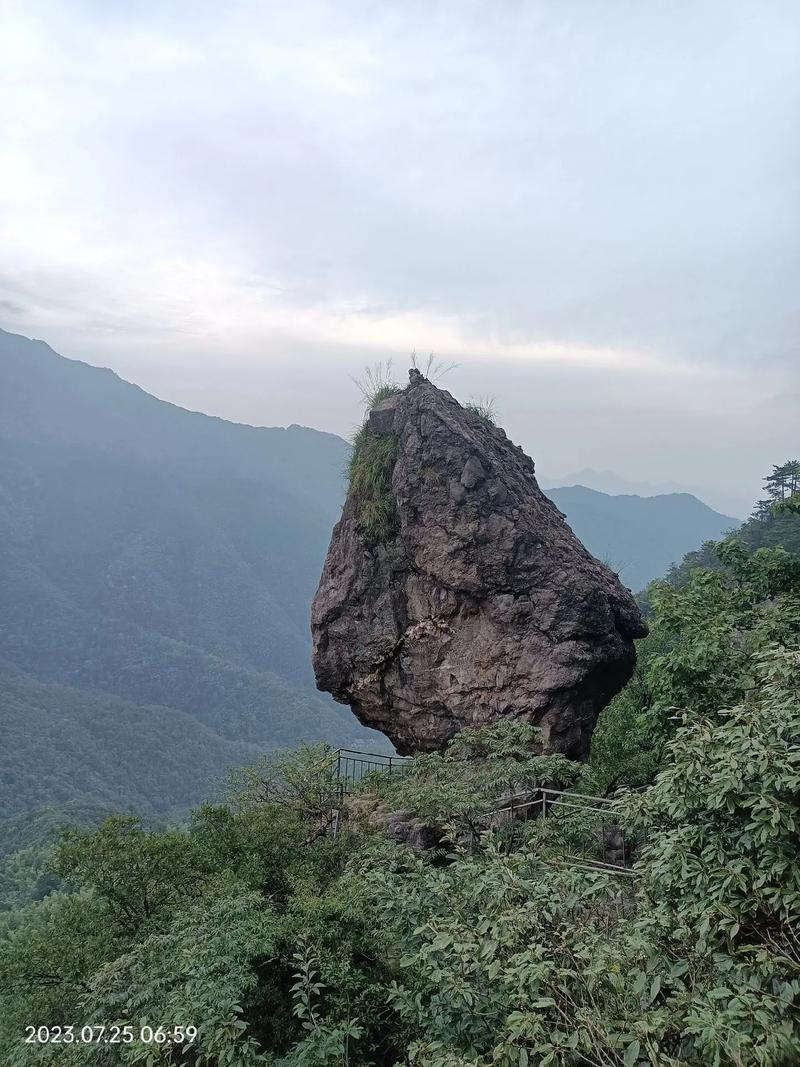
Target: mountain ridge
[
  {"x": 613, "y": 484},
  {"x": 147, "y": 557},
  {"x": 619, "y": 527}
]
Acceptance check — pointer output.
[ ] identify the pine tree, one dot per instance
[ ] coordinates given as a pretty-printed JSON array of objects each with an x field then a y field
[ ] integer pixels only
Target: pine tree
[
  {"x": 784, "y": 481},
  {"x": 762, "y": 511}
]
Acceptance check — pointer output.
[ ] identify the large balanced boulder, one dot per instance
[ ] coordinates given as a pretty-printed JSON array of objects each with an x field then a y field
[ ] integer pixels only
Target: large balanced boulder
[{"x": 472, "y": 600}]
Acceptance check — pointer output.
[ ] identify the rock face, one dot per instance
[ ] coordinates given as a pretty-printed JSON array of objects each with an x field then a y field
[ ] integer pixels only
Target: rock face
[{"x": 480, "y": 604}]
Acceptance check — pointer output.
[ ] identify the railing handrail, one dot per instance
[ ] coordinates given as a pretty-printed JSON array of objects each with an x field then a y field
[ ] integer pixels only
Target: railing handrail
[
  {"x": 545, "y": 798},
  {"x": 374, "y": 755},
  {"x": 581, "y": 796}
]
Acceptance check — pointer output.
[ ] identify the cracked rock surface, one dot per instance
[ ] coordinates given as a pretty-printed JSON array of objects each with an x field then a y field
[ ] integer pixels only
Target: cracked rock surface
[{"x": 481, "y": 604}]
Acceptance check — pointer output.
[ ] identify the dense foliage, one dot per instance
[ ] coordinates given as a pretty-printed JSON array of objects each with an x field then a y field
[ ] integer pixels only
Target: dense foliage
[
  {"x": 288, "y": 946},
  {"x": 710, "y": 619},
  {"x": 371, "y": 465}
]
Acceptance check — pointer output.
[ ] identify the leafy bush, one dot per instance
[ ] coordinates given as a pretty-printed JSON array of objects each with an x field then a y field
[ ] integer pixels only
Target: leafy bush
[
  {"x": 299, "y": 950},
  {"x": 507, "y": 959},
  {"x": 706, "y": 637},
  {"x": 372, "y": 459},
  {"x": 481, "y": 765}
]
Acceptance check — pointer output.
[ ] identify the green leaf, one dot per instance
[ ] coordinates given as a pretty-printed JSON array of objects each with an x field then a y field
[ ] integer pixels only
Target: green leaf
[{"x": 631, "y": 1054}]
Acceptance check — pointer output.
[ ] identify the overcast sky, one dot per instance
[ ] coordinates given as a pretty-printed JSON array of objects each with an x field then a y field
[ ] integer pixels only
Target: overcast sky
[{"x": 593, "y": 207}]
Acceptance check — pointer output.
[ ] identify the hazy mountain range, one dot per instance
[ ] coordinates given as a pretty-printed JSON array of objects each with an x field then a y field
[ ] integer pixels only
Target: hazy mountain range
[
  {"x": 156, "y": 570},
  {"x": 613, "y": 484},
  {"x": 639, "y": 536}
]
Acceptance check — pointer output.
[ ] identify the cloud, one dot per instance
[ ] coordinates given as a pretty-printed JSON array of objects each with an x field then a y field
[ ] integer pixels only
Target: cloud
[{"x": 590, "y": 188}]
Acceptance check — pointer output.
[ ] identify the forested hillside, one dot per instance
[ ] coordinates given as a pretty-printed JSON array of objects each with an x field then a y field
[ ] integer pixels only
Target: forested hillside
[
  {"x": 493, "y": 942},
  {"x": 159, "y": 563},
  {"x": 171, "y": 525},
  {"x": 126, "y": 753}
]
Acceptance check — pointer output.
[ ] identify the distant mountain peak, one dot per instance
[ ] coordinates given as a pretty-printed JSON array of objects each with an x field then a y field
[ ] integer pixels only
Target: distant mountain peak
[
  {"x": 607, "y": 481},
  {"x": 640, "y": 536}
]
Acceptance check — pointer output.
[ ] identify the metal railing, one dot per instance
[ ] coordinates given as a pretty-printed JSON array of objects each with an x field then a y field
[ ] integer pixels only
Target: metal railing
[
  {"x": 591, "y": 835},
  {"x": 593, "y": 838},
  {"x": 352, "y": 766}
]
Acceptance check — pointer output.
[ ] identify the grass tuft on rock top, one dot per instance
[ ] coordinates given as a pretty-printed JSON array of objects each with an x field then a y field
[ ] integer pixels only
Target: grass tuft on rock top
[
  {"x": 370, "y": 477},
  {"x": 373, "y": 457},
  {"x": 484, "y": 407},
  {"x": 377, "y": 383}
]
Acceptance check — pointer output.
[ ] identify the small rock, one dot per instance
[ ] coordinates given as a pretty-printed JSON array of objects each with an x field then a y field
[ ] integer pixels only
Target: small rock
[
  {"x": 473, "y": 473},
  {"x": 381, "y": 418}
]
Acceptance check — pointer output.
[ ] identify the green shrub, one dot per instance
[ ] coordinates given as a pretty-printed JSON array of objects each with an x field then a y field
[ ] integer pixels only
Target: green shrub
[
  {"x": 509, "y": 958},
  {"x": 295, "y": 951},
  {"x": 459, "y": 786},
  {"x": 370, "y": 478},
  {"x": 706, "y": 637}
]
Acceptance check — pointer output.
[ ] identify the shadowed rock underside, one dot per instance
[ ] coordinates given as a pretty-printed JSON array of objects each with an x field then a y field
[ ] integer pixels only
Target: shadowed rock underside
[{"x": 479, "y": 604}]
